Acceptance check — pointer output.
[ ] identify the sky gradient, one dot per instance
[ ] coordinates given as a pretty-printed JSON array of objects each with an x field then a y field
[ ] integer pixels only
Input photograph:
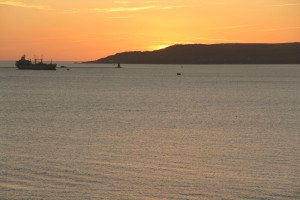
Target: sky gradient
[{"x": 87, "y": 30}]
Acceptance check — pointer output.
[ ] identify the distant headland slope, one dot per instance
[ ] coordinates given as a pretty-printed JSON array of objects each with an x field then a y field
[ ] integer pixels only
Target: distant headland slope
[{"x": 243, "y": 53}]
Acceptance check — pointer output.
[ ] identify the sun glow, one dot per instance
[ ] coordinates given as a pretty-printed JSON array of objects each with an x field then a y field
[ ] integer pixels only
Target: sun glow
[{"x": 162, "y": 46}]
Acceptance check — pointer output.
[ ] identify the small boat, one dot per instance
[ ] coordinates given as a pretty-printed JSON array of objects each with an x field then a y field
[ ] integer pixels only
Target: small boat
[
  {"x": 63, "y": 66},
  {"x": 23, "y": 63}
]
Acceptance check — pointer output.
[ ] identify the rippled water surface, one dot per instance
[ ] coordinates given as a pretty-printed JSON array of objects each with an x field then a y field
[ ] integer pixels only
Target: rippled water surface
[{"x": 141, "y": 132}]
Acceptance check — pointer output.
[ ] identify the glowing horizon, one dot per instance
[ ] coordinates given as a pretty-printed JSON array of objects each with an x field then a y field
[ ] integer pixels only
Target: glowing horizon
[{"x": 64, "y": 30}]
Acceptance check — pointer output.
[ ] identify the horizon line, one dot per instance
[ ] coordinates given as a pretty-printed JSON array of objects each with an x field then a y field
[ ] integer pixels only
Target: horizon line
[{"x": 175, "y": 44}]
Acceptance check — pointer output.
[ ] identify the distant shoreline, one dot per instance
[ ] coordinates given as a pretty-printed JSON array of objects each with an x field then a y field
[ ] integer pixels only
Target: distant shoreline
[{"x": 229, "y": 53}]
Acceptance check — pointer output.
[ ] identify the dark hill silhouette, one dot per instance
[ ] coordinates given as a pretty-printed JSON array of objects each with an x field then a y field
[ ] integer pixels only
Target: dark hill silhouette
[{"x": 284, "y": 53}]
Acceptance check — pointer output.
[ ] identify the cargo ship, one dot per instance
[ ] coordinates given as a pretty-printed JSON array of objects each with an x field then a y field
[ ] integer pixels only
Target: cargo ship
[{"x": 38, "y": 64}]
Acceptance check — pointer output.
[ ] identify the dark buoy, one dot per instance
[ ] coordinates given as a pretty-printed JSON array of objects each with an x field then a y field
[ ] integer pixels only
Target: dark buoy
[
  {"x": 178, "y": 74},
  {"x": 119, "y": 65},
  {"x": 68, "y": 69}
]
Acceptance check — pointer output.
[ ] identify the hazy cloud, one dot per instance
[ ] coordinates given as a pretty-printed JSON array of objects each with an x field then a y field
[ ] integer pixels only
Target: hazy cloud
[
  {"x": 279, "y": 29},
  {"x": 124, "y": 9},
  {"x": 230, "y": 27},
  {"x": 34, "y": 6},
  {"x": 22, "y": 4},
  {"x": 73, "y": 11},
  {"x": 134, "y": 9},
  {"x": 154, "y": 1},
  {"x": 217, "y": 39},
  {"x": 170, "y": 7},
  {"x": 121, "y": 2},
  {"x": 118, "y": 17},
  {"x": 287, "y": 4}
]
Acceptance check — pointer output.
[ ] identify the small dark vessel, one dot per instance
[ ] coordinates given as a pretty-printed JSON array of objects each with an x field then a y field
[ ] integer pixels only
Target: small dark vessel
[{"x": 27, "y": 64}]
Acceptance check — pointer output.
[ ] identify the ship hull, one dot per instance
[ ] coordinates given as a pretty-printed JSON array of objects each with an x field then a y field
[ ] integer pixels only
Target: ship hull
[{"x": 37, "y": 67}]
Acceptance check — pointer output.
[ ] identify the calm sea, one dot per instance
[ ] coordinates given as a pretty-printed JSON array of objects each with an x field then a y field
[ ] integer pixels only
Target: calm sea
[{"x": 142, "y": 132}]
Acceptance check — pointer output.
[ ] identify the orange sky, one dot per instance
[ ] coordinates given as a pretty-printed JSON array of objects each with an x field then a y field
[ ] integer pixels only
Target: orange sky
[{"x": 90, "y": 29}]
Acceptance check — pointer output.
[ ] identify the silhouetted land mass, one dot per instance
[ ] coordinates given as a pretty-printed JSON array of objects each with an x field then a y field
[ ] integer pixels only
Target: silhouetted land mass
[{"x": 283, "y": 53}]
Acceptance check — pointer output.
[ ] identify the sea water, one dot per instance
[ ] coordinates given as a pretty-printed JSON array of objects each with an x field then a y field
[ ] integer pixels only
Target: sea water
[{"x": 142, "y": 132}]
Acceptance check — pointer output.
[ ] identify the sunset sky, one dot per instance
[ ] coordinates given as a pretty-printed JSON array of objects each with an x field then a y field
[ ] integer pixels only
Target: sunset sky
[{"x": 90, "y": 29}]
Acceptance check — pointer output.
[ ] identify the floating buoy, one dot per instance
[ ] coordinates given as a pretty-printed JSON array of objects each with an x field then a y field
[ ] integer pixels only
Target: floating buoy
[{"x": 178, "y": 74}]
